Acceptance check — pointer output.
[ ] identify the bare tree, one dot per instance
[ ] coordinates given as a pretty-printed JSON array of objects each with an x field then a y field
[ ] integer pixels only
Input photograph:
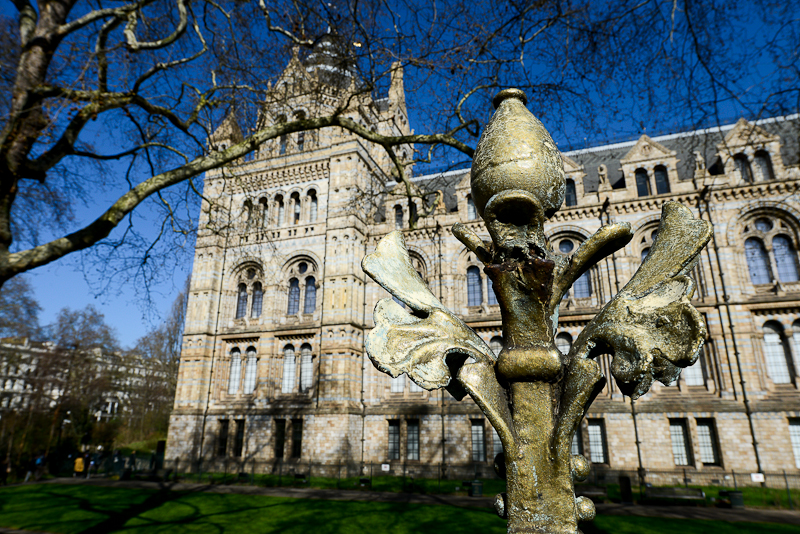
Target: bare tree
[{"x": 118, "y": 100}]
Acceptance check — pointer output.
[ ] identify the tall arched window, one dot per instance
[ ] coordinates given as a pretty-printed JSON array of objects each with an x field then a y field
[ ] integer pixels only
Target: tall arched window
[
  {"x": 281, "y": 211},
  {"x": 294, "y": 297},
  {"x": 490, "y": 296},
  {"x": 785, "y": 258},
  {"x": 264, "y": 208},
  {"x": 472, "y": 213},
  {"x": 258, "y": 297},
  {"x": 496, "y": 344},
  {"x": 310, "y": 301},
  {"x": 282, "y": 147},
  {"x": 474, "y": 289},
  {"x": 250, "y": 371},
  {"x": 312, "y": 201},
  {"x": 763, "y": 166},
  {"x": 796, "y": 342},
  {"x": 776, "y": 353},
  {"x": 757, "y": 261},
  {"x": 583, "y": 286},
  {"x": 306, "y": 368},
  {"x": 642, "y": 183},
  {"x": 235, "y": 375},
  {"x": 743, "y": 166},
  {"x": 570, "y": 197},
  {"x": 564, "y": 342},
  {"x": 662, "y": 181},
  {"x": 296, "y": 208},
  {"x": 289, "y": 365},
  {"x": 241, "y": 301},
  {"x": 398, "y": 217}
]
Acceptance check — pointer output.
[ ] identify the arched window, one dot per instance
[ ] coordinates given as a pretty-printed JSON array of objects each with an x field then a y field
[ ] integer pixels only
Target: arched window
[
  {"x": 247, "y": 214},
  {"x": 281, "y": 211},
  {"x": 743, "y": 166},
  {"x": 642, "y": 183},
  {"x": 496, "y": 344},
  {"x": 491, "y": 297},
  {"x": 472, "y": 213},
  {"x": 312, "y": 201},
  {"x": 571, "y": 197},
  {"x": 282, "y": 147},
  {"x": 757, "y": 261},
  {"x": 306, "y": 368},
  {"x": 241, "y": 301},
  {"x": 796, "y": 341},
  {"x": 398, "y": 217},
  {"x": 296, "y": 208},
  {"x": 250, "y": 371},
  {"x": 294, "y": 297},
  {"x": 474, "y": 289},
  {"x": 310, "y": 301},
  {"x": 785, "y": 258},
  {"x": 763, "y": 166},
  {"x": 662, "y": 181},
  {"x": 583, "y": 286},
  {"x": 235, "y": 375},
  {"x": 258, "y": 297},
  {"x": 264, "y": 208},
  {"x": 564, "y": 342},
  {"x": 289, "y": 365},
  {"x": 645, "y": 252},
  {"x": 776, "y": 353}
]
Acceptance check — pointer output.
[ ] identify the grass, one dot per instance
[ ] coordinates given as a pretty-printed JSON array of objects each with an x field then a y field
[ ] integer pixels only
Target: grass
[{"x": 95, "y": 510}]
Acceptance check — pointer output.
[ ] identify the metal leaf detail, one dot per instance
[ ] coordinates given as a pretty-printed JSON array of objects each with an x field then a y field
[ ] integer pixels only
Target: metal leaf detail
[
  {"x": 430, "y": 344},
  {"x": 650, "y": 327}
]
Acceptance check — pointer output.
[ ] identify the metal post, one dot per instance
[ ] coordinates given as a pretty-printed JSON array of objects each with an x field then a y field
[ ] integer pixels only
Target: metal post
[
  {"x": 788, "y": 491},
  {"x": 734, "y": 479}
]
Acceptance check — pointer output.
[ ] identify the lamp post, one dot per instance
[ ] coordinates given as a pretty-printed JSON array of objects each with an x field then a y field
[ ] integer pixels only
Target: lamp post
[{"x": 534, "y": 395}]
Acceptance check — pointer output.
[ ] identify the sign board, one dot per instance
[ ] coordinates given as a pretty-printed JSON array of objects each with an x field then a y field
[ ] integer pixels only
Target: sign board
[
  {"x": 385, "y": 467},
  {"x": 757, "y": 477}
]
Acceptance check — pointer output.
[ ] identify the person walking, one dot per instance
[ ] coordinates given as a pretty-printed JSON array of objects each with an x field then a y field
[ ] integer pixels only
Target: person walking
[{"x": 79, "y": 467}]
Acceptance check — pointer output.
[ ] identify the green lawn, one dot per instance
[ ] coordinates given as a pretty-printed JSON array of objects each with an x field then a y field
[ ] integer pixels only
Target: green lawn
[{"x": 92, "y": 509}]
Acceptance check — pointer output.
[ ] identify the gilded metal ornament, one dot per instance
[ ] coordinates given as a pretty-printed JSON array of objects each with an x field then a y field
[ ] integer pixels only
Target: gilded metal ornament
[{"x": 535, "y": 396}]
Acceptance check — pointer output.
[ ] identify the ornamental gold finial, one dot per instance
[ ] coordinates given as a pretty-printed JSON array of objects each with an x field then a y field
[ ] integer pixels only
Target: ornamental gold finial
[{"x": 535, "y": 396}]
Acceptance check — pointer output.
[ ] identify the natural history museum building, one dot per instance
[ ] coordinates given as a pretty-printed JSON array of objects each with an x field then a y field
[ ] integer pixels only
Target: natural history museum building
[{"x": 273, "y": 365}]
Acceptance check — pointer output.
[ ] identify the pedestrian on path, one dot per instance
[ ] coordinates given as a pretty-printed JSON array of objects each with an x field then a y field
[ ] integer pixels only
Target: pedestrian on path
[{"x": 79, "y": 467}]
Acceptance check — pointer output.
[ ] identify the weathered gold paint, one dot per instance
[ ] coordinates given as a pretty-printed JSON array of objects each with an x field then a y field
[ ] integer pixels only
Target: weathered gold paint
[{"x": 533, "y": 395}]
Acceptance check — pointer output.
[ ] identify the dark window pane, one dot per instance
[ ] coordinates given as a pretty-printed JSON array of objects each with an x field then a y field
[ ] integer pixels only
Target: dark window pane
[
  {"x": 743, "y": 166},
  {"x": 238, "y": 440},
  {"x": 258, "y": 297},
  {"x": 490, "y": 291},
  {"x": 474, "y": 289},
  {"x": 583, "y": 286},
  {"x": 222, "y": 439},
  {"x": 280, "y": 437},
  {"x": 297, "y": 438},
  {"x": 294, "y": 296},
  {"x": 642, "y": 183},
  {"x": 478, "y": 442},
  {"x": 241, "y": 301},
  {"x": 310, "y": 301},
  {"x": 662, "y": 181},
  {"x": 394, "y": 440},
  {"x": 570, "y": 198}
]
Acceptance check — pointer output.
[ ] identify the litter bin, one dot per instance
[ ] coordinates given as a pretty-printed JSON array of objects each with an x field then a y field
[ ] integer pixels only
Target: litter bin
[
  {"x": 476, "y": 489},
  {"x": 736, "y": 498}
]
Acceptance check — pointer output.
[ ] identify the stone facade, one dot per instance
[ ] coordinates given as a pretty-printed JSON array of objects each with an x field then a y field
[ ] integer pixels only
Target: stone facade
[{"x": 273, "y": 363}]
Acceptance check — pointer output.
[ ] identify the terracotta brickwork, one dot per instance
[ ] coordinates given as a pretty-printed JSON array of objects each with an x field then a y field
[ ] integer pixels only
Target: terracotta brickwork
[{"x": 279, "y": 306}]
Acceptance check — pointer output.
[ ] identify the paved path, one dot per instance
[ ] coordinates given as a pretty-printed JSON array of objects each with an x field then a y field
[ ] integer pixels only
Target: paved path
[{"x": 680, "y": 512}]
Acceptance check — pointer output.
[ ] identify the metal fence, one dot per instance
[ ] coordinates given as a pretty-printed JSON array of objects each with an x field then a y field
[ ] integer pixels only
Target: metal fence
[{"x": 691, "y": 477}]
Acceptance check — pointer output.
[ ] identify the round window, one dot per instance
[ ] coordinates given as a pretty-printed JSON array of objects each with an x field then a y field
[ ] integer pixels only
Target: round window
[
  {"x": 566, "y": 246},
  {"x": 251, "y": 273},
  {"x": 303, "y": 267},
  {"x": 763, "y": 225}
]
